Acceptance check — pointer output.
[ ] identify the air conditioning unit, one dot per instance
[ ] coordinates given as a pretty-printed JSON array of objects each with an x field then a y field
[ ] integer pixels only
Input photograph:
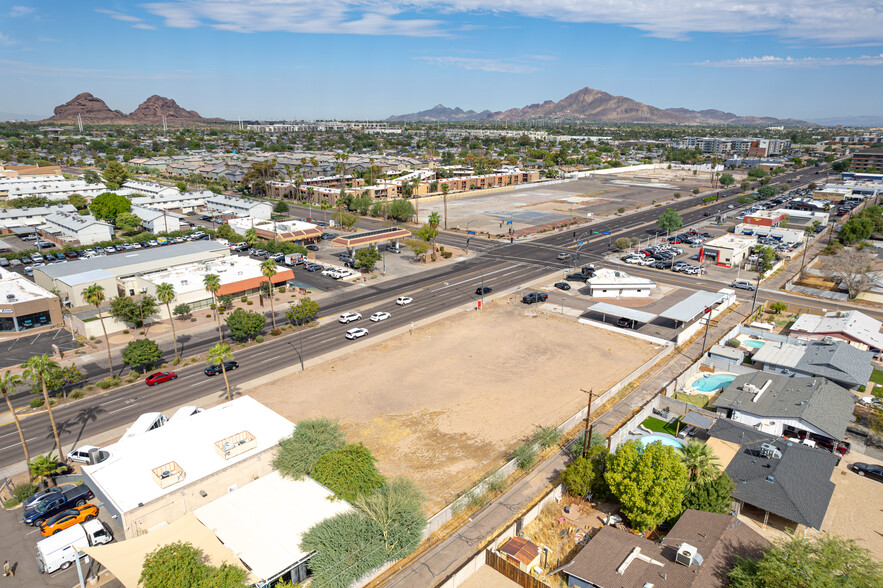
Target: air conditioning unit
[
  {"x": 770, "y": 451},
  {"x": 688, "y": 555},
  {"x": 828, "y": 340}
]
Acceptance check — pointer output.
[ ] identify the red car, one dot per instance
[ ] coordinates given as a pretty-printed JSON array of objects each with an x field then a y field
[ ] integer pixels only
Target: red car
[{"x": 160, "y": 377}]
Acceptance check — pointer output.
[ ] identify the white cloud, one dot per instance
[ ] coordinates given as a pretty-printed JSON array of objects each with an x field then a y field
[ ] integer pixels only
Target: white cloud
[
  {"x": 833, "y": 22},
  {"x": 118, "y": 15},
  {"x": 40, "y": 69},
  {"x": 19, "y": 11},
  {"x": 145, "y": 26},
  {"x": 475, "y": 63},
  {"x": 769, "y": 61},
  {"x": 7, "y": 40}
]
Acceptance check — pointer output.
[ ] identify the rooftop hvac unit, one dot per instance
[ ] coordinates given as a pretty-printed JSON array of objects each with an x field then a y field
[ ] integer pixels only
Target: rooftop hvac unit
[
  {"x": 688, "y": 555},
  {"x": 828, "y": 340},
  {"x": 770, "y": 451}
]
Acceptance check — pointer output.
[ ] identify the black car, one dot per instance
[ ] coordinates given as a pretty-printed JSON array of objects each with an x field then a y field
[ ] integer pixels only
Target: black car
[
  {"x": 215, "y": 369},
  {"x": 662, "y": 264},
  {"x": 578, "y": 277},
  {"x": 312, "y": 247},
  {"x": 562, "y": 285},
  {"x": 625, "y": 323},
  {"x": 482, "y": 290},
  {"x": 868, "y": 469},
  {"x": 532, "y": 297},
  {"x": 313, "y": 267}
]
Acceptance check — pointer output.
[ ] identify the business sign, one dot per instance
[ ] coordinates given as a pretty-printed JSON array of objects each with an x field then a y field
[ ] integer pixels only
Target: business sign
[
  {"x": 508, "y": 222},
  {"x": 470, "y": 232},
  {"x": 580, "y": 242},
  {"x": 605, "y": 232}
]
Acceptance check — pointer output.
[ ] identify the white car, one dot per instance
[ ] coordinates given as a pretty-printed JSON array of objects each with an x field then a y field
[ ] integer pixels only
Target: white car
[
  {"x": 81, "y": 454},
  {"x": 647, "y": 261},
  {"x": 403, "y": 300},
  {"x": 349, "y": 317},
  {"x": 356, "y": 333},
  {"x": 330, "y": 270},
  {"x": 379, "y": 316},
  {"x": 344, "y": 273}
]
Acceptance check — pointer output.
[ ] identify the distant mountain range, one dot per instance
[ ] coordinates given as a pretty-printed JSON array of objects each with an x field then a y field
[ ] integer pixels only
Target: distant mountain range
[
  {"x": 850, "y": 121},
  {"x": 590, "y": 105},
  {"x": 151, "y": 111}
]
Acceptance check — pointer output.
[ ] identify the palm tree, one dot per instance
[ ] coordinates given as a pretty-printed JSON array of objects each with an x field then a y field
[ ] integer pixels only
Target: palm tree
[
  {"x": 39, "y": 368},
  {"x": 166, "y": 293},
  {"x": 310, "y": 191},
  {"x": 434, "y": 220},
  {"x": 212, "y": 283},
  {"x": 268, "y": 268},
  {"x": 46, "y": 467},
  {"x": 700, "y": 461},
  {"x": 251, "y": 237},
  {"x": 219, "y": 354},
  {"x": 445, "y": 189},
  {"x": 8, "y": 382},
  {"x": 94, "y": 295}
]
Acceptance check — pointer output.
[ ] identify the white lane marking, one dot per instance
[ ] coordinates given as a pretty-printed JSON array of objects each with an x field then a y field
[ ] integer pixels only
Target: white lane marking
[
  {"x": 266, "y": 360},
  {"x": 112, "y": 401},
  {"x": 478, "y": 277},
  {"x": 124, "y": 408}
]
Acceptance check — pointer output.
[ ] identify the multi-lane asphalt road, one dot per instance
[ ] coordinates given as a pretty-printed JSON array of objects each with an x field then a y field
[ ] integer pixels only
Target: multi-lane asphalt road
[{"x": 501, "y": 265}]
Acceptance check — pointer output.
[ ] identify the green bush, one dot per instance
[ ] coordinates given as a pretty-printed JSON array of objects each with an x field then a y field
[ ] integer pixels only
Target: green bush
[
  {"x": 125, "y": 331},
  {"x": 77, "y": 393},
  {"x": 441, "y": 248},
  {"x": 250, "y": 302},
  {"x": 23, "y": 491},
  {"x": 193, "y": 320},
  {"x": 524, "y": 455},
  {"x": 36, "y": 402},
  {"x": 447, "y": 254},
  {"x": 733, "y": 342},
  {"x": 209, "y": 315},
  {"x": 244, "y": 299},
  {"x": 546, "y": 437},
  {"x": 259, "y": 338},
  {"x": 281, "y": 289},
  {"x": 621, "y": 209}
]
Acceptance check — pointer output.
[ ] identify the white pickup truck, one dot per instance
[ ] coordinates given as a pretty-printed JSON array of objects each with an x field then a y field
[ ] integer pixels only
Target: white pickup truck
[{"x": 59, "y": 551}]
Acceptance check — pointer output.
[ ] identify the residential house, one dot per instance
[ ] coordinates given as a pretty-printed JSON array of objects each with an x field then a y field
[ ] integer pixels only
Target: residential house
[
  {"x": 84, "y": 229},
  {"x": 852, "y": 326},
  {"x": 837, "y": 361}
]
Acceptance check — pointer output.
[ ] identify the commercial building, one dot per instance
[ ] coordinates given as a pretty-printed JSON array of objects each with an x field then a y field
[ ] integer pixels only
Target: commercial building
[
  {"x": 157, "y": 221},
  {"x": 31, "y": 216},
  {"x": 803, "y": 218},
  {"x": 232, "y": 206},
  {"x": 793, "y": 407},
  {"x": 122, "y": 273},
  {"x": 76, "y": 229},
  {"x": 610, "y": 283},
  {"x": 832, "y": 193},
  {"x": 24, "y": 305},
  {"x": 295, "y": 231},
  {"x": 768, "y": 147},
  {"x": 155, "y": 477},
  {"x": 783, "y": 234},
  {"x": 727, "y": 250},
  {"x": 765, "y": 218},
  {"x": 867, "y": 159},
  {"x": 851, "y": 326}
]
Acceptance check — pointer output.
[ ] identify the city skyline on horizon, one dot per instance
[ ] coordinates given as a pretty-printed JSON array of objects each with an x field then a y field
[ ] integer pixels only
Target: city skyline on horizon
[{"x": 370, "y": 59}]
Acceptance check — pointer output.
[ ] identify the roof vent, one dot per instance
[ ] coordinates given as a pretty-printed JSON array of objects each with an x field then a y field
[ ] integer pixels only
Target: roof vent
[
  {"x": 828, "y": 340},
  {"x": 688, "y": 555},
  {"x": 770, "y": 451}
]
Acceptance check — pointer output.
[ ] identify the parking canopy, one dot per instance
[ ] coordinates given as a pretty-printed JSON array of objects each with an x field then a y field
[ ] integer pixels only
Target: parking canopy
[
  {"x": 629, "y": 313},
  {"x": 693, "y": 306}
]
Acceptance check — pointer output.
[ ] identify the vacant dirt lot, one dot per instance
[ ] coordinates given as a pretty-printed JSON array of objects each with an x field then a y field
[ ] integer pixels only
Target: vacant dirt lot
[
  {"x": 856, "y": 506},
  {"x": 444, "y": 405}
]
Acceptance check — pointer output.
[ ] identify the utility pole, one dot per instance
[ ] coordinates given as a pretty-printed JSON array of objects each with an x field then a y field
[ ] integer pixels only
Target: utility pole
[
  {"x": 707, "y": 322},
  {"x": 587, "y": 435}
]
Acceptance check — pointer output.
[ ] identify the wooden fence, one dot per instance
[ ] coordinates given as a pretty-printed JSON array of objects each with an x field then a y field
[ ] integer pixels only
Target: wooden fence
[{"x": 512, "y": 572}]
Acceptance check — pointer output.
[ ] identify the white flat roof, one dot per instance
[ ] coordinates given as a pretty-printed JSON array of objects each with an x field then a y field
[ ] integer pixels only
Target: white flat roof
[
  {"x": 731, "y": 242},
  {"x": 269, "y": 545},
  {"x": 692, "y": 306},
  {"x": 22, "y": 288},
  {"x": 617, "y": 278},
  {"x": 188, "y": 278},
  {"x": 126, "y": 477}
]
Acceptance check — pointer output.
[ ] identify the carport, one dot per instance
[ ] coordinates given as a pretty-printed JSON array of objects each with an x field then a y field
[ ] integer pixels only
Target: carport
[
  {"x": 636, "y": 316},
  {"x": 693, "y": 306},
  {"x": 392, "y": 234}
]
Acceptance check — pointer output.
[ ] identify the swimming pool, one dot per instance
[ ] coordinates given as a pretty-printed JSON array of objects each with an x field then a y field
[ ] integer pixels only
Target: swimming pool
[
  {"x": 670, "y": 442},
  {"x": 714, "y": 382},
  {"x": 753, "y": 343}
]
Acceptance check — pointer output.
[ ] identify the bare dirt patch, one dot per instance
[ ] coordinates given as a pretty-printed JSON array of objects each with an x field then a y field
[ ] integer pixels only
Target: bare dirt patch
[
  {"x": 856, "y": 506},
  {"x": 445, "y": 405}
]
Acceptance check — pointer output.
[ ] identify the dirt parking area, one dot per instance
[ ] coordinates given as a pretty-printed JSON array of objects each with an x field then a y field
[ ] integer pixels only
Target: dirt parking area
[
  {"x": 856, "y": 508},
  {"x": 445, "y": 405}
]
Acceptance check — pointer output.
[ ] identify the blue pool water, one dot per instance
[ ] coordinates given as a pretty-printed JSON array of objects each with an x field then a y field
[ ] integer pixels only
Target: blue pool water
[
  {"x": 648, "y": 439},
  {"x": 712, "y": 383},
  {"x": 753, "y": 343}
]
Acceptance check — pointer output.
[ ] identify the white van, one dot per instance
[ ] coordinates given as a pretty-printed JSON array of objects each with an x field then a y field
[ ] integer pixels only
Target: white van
[{"x": 59, "y": 551}]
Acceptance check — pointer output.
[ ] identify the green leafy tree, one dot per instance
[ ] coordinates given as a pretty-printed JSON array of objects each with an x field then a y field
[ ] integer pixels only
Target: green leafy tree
[
  {"x": 165, "y": 293},
  {"x": 401, "y": 209},
  {"x": 108, "y": 206},
  {"x": 38, "y": 369},
  {"x": 648, "y": 481},
  {"x": 77, "y": 201},
  {"x": 141, "y": 354},
  {"x": 348, "y": 546},
  {"x": 212, "y": 283},
  {"x": 826, "y": 561},
  {"x": 670, "y": 220},
  {"x": 310, "y": 440},
  {"x": 281, "y": 207},
  {"x": 303, "y": 312},
  {"x": 181, "y": 185},
  {"x": 726, "y": 180},
  {"x": 91, "y": 177},
  {"x": 745, "y": 185},
  {"x": 778, "y": 307},
  {"x": 345, "y": 219},
  {"x": 767, "y": 191},
  {"x": 244, "y": 324},
  {"x": 115, "y": 174},
  {"x": 181, "y": 310},
  {"x": 268, "y": 269},
  {"x": 623, "y": 243},
  {"x": 219, "y": 354},
  {"x": 579, "y": 476},
  {"x": 366, "y": 257},
  {"x": 128, "y": 222},
  {"x": 181, "y": 564},
  {"x": 756, "y": 172},
  {"x": 349, "y": 472},
  {"x": 45, "y": 468},
  {"x": 8, "y": 383},
  {"x": 126, "y": 308},
  {"x": 396, "y": 509},
  {"x": 418, "y": 246},
  {"x": 94, "y": 295},
  {"x": 712, "y": 494},
  {"x": 585, "y": 474}
]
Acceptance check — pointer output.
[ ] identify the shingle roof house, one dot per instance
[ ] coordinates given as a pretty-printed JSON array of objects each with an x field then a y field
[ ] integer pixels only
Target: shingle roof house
[{"x": 853, "y": 326}]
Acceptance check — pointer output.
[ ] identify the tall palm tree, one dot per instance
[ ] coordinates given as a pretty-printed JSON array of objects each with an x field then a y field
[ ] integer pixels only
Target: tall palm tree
[
  {"x": 219, "y": 354},
  {"x": 8, "y": 382},
  {"x": 165, "y": 293},
  {"x": 434, "y": 220},
  {"x": 310, "y": 191},
  {"x": 268, "y": 268},
  {"x": 39, "y": 368},
  {"x": 251, "y": 237},
  {"x": 445, "y": 188},
  {"x": 212, "y": 283},
  {"x": 700, "y": 461},
  {"x": 94, "y": 295}
]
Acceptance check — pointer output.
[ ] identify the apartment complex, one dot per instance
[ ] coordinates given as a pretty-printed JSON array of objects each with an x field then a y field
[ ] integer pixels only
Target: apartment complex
[
  {"x": 868, "y": 159},
  {"x": 735, "y": 145},
  {"x": 76, "y": 229}
]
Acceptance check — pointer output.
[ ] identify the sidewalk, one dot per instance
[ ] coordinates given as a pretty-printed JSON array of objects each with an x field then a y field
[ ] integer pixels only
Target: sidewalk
[{"x": 445, "y": 558}]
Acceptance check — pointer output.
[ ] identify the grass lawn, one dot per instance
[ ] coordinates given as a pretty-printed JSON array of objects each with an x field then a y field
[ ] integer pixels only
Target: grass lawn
[
  {"x": 660, "y": 426},
  {"x": 877, "y": 377},
  {"x": 699, "y": 400}
]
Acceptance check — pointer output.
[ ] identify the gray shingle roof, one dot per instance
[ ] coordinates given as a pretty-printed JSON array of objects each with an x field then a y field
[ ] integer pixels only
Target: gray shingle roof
[
  {"x": 796, "y": 486},
  {"x": 840, "y": 362},
  {"x": 816, "y": 401}
]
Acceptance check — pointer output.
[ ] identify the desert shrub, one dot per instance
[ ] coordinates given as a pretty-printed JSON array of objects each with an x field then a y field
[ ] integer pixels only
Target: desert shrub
[
  {"x": 281, "y": 289},
  {"x": 545, "y": 437},
  {"x": 244, "y": 299},
  {"x": 733, "y": 342},
  {"x": 447, "y": 254},
  {"x": 524, "y": 455},
  {"x": 259, "y": 338},
  {"x": 23, "y": 491},
  {"x": 36, "y": 402},
  {"x": 250, "y": 302},
  {"x": 77, "y": 393}
]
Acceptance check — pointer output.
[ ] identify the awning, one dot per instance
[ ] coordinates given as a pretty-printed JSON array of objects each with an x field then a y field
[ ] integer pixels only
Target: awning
[
  {"x": 125, "y": 559},
  {"x": 629, "y": 313},
  {"x": 698, "y": 420},
  {"x": 692, "y": 306}
]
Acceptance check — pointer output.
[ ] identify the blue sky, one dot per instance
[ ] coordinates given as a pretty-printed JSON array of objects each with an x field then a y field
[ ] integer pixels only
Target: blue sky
[{"x": 348, "y": 59}]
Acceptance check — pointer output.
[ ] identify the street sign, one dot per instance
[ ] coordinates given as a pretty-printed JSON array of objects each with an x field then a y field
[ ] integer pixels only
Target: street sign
[
  {"x": 595, "y": 232},
  {"x": 580, "y": 242},
  {"x": 470, "y": 232},
  {"x": 605, "y": 232},
  {"x": 508, "y": 222}
]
